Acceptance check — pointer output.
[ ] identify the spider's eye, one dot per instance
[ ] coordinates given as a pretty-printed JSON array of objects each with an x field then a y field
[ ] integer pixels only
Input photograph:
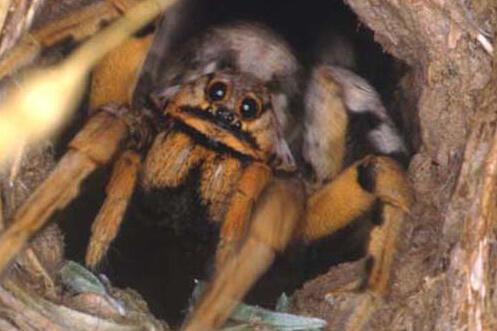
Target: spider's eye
[
  {"x": 249, "y": 108},
  {"x": 217, "y": 91}
]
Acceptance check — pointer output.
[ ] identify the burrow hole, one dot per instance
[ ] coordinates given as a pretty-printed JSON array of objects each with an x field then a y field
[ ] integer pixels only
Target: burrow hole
[{"x": 162, "y": 264}]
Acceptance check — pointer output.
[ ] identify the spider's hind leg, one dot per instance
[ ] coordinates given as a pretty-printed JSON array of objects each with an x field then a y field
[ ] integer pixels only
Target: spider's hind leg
[
  {"x": 375, "y": 181},
  {"x": 395, "y": 200}
]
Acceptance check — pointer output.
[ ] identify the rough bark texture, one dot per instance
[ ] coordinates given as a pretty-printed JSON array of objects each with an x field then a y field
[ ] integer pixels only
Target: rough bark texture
[{"x": 444, "y": 277}]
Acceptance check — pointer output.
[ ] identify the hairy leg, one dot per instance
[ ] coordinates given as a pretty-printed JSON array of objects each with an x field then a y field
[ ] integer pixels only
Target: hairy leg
[
  {"x": 109, "y": 218},
  {"x": 373, "y": 180},
  {"x": 235, "y": 225},
  {"x": 272, "y": 226},
  {"x": 62, "y": 185}
]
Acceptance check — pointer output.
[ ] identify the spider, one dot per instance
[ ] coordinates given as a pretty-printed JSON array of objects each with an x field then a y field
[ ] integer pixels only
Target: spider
[{"x": 269, "y": 173}]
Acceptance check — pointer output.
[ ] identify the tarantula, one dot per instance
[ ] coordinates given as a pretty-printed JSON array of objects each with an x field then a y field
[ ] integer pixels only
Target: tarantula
[{"x": 269, "y": 173}]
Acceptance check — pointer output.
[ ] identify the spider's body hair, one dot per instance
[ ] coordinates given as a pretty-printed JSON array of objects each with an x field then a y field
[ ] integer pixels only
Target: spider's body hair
[
  {"x": 336, "y": 49},
  {"x": 176, "y": 158},
  {"x": 362, "y": 100},
  {"x": 213, "y": 140},
  {"x": 345, "y": 120},
  {"x": 224, "y": 97},
  {"x": 241, "y": 47}
]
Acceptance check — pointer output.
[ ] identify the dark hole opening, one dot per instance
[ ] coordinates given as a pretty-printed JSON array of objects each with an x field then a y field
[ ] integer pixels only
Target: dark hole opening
[{"x": 160, "y": 263}]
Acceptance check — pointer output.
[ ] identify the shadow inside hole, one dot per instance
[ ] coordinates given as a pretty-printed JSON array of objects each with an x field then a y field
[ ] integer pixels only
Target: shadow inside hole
[{"x": 162, "y": 264}]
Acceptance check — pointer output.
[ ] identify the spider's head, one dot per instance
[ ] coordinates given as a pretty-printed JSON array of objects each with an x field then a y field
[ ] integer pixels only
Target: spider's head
[{"x": 235, "y": 111}]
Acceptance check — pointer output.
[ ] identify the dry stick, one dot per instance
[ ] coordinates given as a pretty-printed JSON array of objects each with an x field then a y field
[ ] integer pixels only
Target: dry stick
[
  {"x": 85, "y": 155},
  {"x": 20, "y": 309},
  {"x": 41, "y": 314},
  {"x": 16, "y": 22},
  {"x": 2, "y": 221},
  {"x": 31, "y": 264},
  {"x": 48, "y": 96},
  {"x": 4, "y": 9},
  {"x": 78, "y": 25},
  {"x": 31, "y": 44}
]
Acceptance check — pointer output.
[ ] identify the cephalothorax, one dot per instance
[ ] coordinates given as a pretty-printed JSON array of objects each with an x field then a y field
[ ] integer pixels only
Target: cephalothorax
[
  {"x": 221, "y": 122},
  {"x": 268, "y": 174}
]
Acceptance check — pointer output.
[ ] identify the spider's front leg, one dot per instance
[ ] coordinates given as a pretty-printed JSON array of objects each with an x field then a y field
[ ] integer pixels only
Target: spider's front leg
[
  {"x": 272, "y": 225},
  {"x": 109, "y": 218},
  {"x": 113, "y": 81},
  {"x": 101, "y": 139},
  {"x": 237, "y": 220},
  {"x": 62, "y": 185},
  {"x": 68, "y": 30}
]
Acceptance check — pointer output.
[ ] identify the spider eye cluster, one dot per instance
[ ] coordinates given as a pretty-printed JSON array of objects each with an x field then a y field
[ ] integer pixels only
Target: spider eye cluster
[
  {"x": 217, "y": 91},
  {"x": 249, "y": 108}
]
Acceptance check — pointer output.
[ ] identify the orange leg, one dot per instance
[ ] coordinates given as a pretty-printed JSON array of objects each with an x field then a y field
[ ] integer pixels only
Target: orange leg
[
  {"x": 235, "y": 225},
  {"x": 86, "y": 153},
  {"x": 113, "y": 81},
  {"x": 352, "y": 193},
  {"x": 371, "y": 180},
  {"x": 73, "y": 27},
  {"x": 381, "y": 251},
  {"x": 272, "y": 226},
  {"x": 110, "y": 216},
  {"x": 115, "y": 77}
]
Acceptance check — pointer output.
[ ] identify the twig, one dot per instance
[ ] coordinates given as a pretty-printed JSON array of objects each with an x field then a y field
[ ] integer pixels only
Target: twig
[
  {"x": 42, "y": 314},
  {"x": 16, "y": 18},
  {"x": 2, "y": 221},
  {"x": 4, "y": 9},
  {"x": 16, "y": 165},
  {"x": 487, "y": 45},
  {"x": 22, "y": 307}
]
